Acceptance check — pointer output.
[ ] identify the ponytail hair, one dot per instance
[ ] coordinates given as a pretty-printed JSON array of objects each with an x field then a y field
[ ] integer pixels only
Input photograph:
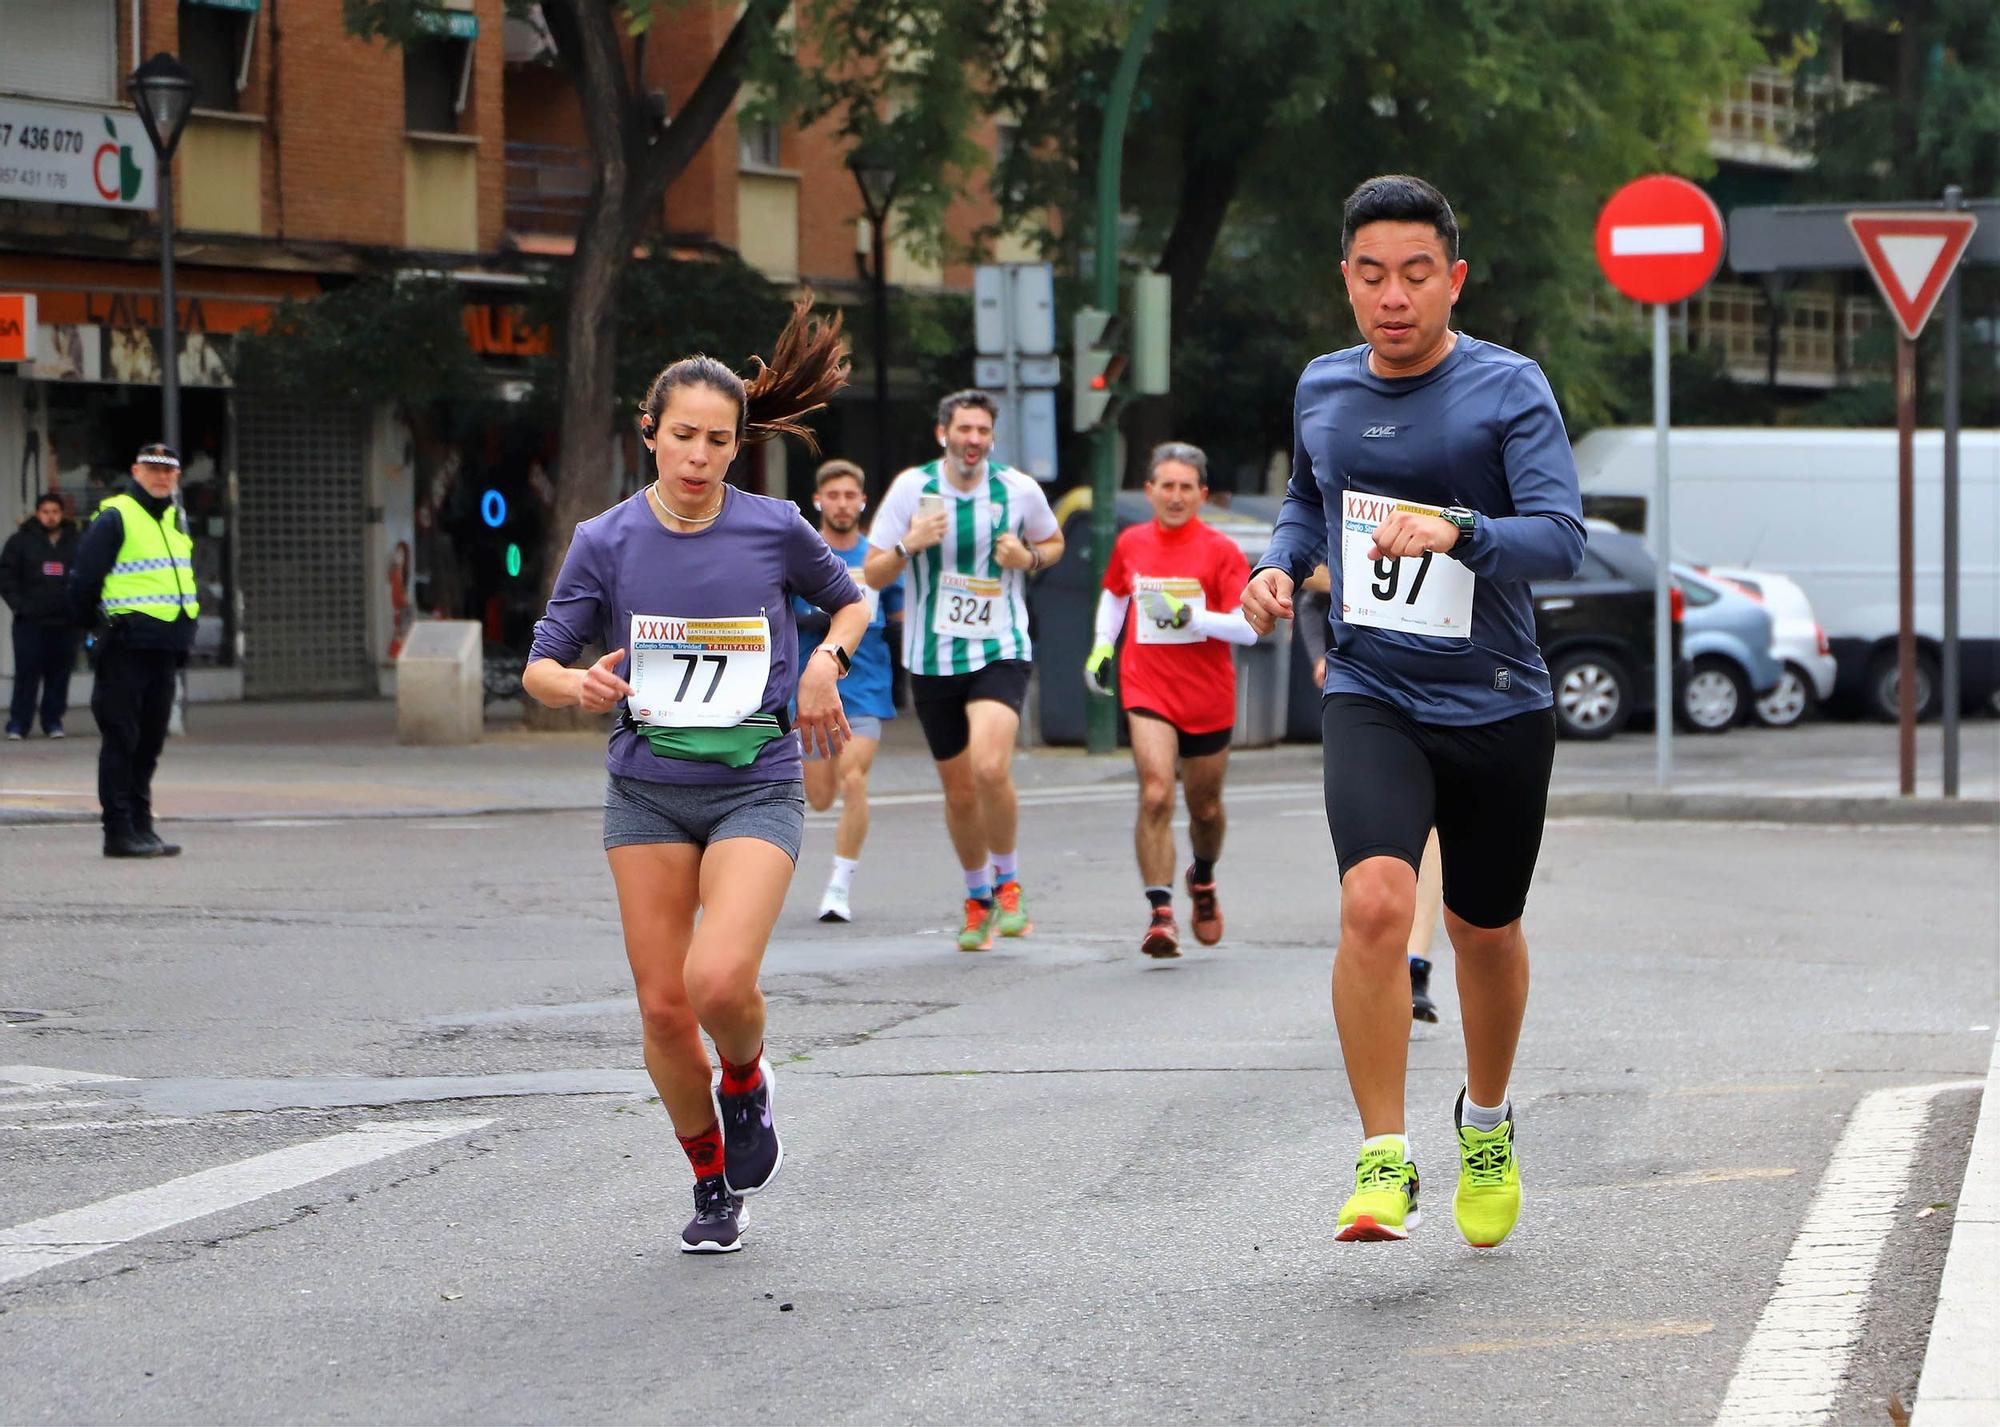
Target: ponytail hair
[{"x": 809, "y": 363}]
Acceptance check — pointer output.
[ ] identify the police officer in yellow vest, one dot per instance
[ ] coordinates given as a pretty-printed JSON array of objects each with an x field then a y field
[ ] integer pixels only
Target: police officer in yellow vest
[{"x": 135, "y": 568}]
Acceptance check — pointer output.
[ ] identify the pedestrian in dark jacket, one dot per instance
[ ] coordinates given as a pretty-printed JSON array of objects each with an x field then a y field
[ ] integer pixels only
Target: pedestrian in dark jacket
[
  {"x": 135, "y": 569},
  {"x": 35, "y": 565}
]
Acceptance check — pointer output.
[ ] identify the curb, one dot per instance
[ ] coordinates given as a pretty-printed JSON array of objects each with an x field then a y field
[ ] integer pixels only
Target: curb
[
  {"x": 1958, "y": 1386},
  {"x": 1731, "y": 807},
  {"x": 1628, "y": 807}
]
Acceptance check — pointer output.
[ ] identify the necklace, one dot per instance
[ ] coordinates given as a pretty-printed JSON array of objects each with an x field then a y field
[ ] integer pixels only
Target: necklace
[{"x": 653, "y": 490}]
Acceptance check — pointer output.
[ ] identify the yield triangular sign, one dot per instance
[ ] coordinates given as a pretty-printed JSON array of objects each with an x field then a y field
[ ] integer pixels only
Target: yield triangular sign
[{"x": 1911, "y": 256}]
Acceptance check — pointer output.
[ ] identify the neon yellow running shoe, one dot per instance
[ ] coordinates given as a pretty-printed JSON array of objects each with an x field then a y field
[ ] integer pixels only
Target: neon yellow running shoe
[
  {"x": 1487, "y": 1202},
  {"x": 1384, "y": 1203},
  {"x": 1013, "y": 915}
]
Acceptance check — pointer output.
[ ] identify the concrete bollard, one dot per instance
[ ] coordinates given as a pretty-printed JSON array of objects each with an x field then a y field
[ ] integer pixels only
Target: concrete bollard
[{"x": 440, "y": 684}]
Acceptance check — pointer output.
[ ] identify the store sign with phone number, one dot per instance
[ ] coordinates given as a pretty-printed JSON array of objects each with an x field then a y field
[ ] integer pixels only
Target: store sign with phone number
[{"x": 52, "y": 153}]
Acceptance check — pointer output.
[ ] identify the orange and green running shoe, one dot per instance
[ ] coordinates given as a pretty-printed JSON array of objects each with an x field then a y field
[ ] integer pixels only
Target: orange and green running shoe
[
  {"x": 1013, "y": 916},
  {"x": 977, "y": 933}
]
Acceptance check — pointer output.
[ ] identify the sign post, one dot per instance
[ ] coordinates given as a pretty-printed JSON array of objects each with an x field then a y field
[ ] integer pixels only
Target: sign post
[
  {"x": 1014, "y": 332},
  {"x": 1659, "y": 241},
  {"x": 1912, "y": 256}
]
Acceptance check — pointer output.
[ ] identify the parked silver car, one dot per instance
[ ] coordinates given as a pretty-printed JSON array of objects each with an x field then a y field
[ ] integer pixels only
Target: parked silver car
[
  {"x": 1726, "y": 641},
  {"x": 1797, "y": 641}
]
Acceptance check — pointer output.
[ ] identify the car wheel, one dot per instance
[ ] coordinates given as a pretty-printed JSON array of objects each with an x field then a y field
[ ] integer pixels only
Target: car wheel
[
  {"x": 1714, "y": 697},
  {"x": 1884, "y": 691},
  {"x": 1593, "y": 695},
  {"x": 1791, "y": 703}
]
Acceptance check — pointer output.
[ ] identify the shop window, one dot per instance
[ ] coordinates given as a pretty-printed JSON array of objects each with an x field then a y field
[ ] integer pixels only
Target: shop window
[
  {"x": 215, "y": 41},
  {"x": 437, "y": 78}
]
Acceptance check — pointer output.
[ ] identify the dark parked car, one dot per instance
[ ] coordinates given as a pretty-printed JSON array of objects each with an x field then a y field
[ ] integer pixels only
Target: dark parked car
[{"x": 1596, "y": 632}]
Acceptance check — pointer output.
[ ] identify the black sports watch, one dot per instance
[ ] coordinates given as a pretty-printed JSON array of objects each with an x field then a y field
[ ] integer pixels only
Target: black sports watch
[
  {"x": 840, "y": 657},
  {"x": 1466, "y": 520}
]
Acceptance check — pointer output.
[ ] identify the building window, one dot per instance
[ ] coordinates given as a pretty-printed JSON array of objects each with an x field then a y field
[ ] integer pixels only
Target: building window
[
  {"x": 436, "y": 77},
  {"x": 757, "y": 142},
  {"x": 215, "y": 42},
  {"x": 66, "y": 51}
]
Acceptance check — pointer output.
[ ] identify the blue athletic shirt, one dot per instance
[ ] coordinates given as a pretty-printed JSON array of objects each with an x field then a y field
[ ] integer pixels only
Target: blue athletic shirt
[
  {"x": 1479, "y": 430},
  {"x": 865, "y": 690}
]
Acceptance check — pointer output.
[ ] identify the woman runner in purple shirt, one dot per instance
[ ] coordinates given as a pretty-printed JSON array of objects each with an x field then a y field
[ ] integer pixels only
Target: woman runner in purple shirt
[{"x": 689, "y": 585}]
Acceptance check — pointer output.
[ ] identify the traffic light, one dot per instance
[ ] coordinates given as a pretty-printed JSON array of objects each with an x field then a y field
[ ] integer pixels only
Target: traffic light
[{"x": 1097, "y": 367}]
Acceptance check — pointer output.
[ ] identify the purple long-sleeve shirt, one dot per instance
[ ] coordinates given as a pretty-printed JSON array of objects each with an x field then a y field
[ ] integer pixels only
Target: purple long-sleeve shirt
[
  {"x": 1479, "y": 430},
  {"x": 752, "y": 560}
]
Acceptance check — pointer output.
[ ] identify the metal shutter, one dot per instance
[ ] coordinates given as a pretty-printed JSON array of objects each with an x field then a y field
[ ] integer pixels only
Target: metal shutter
[
  {"x": 299, "y": 524},
  {"x": 65, "y": 51}
]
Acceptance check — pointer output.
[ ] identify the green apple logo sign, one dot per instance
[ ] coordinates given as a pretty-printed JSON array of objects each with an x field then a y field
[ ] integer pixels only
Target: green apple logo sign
[{"x": 123, "y": 186}]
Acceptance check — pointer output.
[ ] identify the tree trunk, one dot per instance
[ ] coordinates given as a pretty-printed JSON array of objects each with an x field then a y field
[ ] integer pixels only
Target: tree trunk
[{"x": 633, "y": 161}]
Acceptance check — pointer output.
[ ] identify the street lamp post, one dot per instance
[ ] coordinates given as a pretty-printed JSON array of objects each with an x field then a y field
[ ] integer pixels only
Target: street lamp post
[
  {"x": 875, "y": 176},
  {"x": 163, "y": 92}
]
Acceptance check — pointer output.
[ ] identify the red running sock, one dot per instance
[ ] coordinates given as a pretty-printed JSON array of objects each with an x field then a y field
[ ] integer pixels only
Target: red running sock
[
  {"x": 742, "y": 1079},
  {"x": 704, "y": 1151}
]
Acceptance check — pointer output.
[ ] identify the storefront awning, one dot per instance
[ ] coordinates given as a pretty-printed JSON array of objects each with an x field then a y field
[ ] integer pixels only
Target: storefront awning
[{"x": 250, "y": 5}]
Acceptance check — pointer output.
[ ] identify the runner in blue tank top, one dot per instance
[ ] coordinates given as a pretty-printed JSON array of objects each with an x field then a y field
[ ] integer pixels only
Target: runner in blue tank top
[
  {"x": 689, "y": 584},
  {"x": 1431, "y": 474}
]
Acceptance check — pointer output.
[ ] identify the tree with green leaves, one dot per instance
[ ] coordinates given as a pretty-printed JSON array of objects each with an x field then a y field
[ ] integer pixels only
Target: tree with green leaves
[
  {"x": 1256, "y": 118},
  {"x": 898, "y": 74}
]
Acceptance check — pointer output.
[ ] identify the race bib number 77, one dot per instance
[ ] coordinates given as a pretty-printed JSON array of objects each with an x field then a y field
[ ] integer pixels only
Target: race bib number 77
[
  {"x": 1426, "y": 594},
  {"x": 698, "y": 673}
]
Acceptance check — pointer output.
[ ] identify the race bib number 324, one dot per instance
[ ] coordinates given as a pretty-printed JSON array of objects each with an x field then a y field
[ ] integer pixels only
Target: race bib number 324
[
  {"x": 1426, "y": 594},
  {"x": 970, "y": 607}
]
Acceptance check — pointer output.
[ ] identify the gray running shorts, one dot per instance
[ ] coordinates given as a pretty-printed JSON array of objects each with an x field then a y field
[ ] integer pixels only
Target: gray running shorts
[
  {"x": 859, "y": 725},
  {"x": 636, "y": 811}
]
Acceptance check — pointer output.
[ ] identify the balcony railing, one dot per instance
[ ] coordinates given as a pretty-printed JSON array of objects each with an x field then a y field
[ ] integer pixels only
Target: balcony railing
[
  {"x": 1768, "y": 114},
  {"x": 547, "y": 187}
]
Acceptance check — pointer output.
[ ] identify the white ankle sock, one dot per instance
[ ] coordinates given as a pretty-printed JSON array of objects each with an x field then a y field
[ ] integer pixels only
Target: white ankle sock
[
  {"x": 1376, "y": 1142},
  {"x": 1485, "y": 1117},
  {"x": 843, "y": 872}
]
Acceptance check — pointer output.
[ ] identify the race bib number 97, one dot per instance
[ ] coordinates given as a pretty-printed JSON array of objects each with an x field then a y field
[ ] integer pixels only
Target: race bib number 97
[
  {"x": 970, "y": 607},
  {"x": 698, "y": 673},
  {"x": 1426, "y": 594}
]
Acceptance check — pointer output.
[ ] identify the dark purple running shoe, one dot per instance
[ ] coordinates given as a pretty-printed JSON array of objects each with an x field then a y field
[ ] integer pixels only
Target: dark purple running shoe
[
  {"x": 719, "y": 1219},
  {"x": 751, "y": 1150}
]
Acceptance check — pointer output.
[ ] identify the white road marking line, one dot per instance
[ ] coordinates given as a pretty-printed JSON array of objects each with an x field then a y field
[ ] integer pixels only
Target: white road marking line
[
  {"x": 58, "y": 1126},
  {"x": 77, "y": 1233},
  {"x": 1792, "y": 1366},
  {"x": 37, "y": 1076},
  {"x": 1644, "y": 240}
]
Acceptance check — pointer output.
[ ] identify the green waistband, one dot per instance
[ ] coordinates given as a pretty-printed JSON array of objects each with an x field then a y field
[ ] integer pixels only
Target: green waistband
[{"x": 735, "y": 747}]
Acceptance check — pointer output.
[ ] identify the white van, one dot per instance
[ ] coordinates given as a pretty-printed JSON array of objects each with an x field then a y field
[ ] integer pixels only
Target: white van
[{"x": 1819, "y": 505}]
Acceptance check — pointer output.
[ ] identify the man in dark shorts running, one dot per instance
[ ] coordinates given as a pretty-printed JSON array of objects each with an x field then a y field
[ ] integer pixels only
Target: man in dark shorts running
[
  {"x": 967, "y": 532},
  {"x": 1431, "y": 473},
  {"x": 1176, "y": 680}
]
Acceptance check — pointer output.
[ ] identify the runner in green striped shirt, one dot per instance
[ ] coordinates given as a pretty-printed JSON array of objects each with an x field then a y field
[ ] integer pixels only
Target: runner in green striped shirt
[{"x": 965, "y": 534}]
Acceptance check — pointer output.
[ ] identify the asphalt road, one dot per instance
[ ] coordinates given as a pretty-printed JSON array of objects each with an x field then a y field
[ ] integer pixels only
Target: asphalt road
[{"x": 1055, "y": 1182}]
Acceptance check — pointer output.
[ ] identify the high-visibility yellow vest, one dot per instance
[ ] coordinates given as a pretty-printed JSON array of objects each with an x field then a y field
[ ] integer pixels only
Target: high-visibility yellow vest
[{"x": 154, "y": 573}]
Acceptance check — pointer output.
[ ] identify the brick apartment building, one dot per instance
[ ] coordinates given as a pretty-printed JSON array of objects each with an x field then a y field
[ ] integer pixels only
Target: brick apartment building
[{"x": 312, "y": 157}]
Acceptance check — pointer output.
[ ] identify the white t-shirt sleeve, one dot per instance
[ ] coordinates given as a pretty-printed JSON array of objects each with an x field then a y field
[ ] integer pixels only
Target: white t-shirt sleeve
[
  {"x": 1038, "y": 521},
  {"x": 899, "y": 508}
]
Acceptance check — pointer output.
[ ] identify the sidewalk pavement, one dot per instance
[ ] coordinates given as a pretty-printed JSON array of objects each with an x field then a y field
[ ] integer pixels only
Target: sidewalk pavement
[
  {"x": 1959, "y": 1386},
  {"x": 340, "y": 759}
]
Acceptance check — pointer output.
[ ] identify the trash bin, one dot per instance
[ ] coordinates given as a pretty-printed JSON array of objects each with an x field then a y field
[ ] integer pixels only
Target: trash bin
[{"x": 1302, "y": 695}]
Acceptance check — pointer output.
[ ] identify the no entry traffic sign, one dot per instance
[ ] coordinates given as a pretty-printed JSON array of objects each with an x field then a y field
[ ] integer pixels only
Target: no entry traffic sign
[
  {"x": 1911, "y": 257},
  {"x": 1659, "y": 239}
]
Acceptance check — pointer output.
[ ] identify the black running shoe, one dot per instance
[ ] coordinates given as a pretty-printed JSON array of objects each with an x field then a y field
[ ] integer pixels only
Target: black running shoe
[
  {"x": 1422, "y": 1007},
  {"x": 719, "y": 1219},
  {"x": 751, "y": 1150}
]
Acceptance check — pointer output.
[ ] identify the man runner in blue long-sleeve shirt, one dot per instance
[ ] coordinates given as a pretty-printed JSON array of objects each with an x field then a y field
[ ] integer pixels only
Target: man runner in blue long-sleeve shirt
[{"x": 1431, "y": 472}]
